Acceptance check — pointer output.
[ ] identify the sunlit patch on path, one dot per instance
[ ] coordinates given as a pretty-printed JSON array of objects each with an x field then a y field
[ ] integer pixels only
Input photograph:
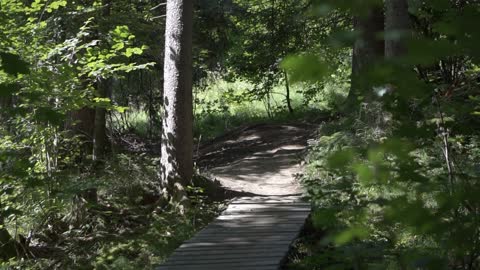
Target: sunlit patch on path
[{"x": 262, "y": 159}]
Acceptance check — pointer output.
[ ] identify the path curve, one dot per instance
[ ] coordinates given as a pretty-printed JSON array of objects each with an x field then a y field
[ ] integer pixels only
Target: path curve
[{"x": 263, "y": 159}]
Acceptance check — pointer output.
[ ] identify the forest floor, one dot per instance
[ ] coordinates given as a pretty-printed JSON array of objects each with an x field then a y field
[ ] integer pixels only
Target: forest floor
[{"x": 261, "y": 159}]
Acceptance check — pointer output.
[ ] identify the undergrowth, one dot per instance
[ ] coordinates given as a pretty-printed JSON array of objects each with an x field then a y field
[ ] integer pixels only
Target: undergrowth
[
  {"x": 221, "y": 106},
  {"x": 122, "y": 226},
  {"x": 382, "y": 201}
]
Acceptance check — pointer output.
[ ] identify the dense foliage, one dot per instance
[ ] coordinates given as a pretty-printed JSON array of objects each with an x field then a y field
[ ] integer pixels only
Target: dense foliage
[{"x": 395, "y": 183}]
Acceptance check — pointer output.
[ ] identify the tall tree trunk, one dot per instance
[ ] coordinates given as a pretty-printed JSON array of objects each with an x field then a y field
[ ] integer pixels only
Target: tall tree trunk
[
  {"x": 177, "y": 123},
  {"x": 82, "y": 123},
  {"x": 397, "y": 26},
  {"x": 6, "y": 103},
  {"x": 287, "y": 89},
  {"x": 7, "y": 243},
  {"x": 90, "y": 122},
  {"x": 103, "y": 89},
  {"x": 367, "y": 49},
  {"x": 100, "y": 134}
]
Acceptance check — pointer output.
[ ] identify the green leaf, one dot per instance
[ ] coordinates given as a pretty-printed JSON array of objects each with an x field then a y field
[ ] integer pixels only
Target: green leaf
[
  {"x": 118, "y": 46},
  {"x": 132, "y": 51},
  {"x": 121, "y": 31},
  {"x": 102, "y": 102},
  {"x": 56, "y": 5},
  {"x": 120, "y": 109}
]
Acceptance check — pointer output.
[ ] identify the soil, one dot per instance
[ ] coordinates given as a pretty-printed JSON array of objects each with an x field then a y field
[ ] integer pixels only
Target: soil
[{"x": 260, "y": 159}]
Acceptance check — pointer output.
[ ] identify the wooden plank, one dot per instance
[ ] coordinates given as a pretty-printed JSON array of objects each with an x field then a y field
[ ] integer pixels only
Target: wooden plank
[
  {"x": 264, "y": 216},
  {"x": 272, "y": 210},
  {"x": 242, "y": 234},
  {"x": 233, "y": 256},
  {"x": 235, "y": 242},
  {"x": 226, "y": 227},
  {"x": 218, "y": 260},
  {"x": 260, "y": 221},
  {"x": 235, "y": 239},
  {"x": 237, "y": 226},
  {"x": 219, "y": 267},
  {"x": 248, "y": 251},
  {"x": 261, "y": 198},
  {"x": 273, "y": 203},
  {"x": 224, "y": 264},
  {"x": 218, "y": 248},
  {"x": 248, "y": 230},
  {"x": 266, "y": 206},
  {"x": 269, "y": 201}
]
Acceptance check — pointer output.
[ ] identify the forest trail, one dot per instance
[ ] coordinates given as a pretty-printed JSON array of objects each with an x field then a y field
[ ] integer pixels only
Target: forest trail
[
  {"x": 261, "y": 159},
  {"x": 254, "y": 233}
]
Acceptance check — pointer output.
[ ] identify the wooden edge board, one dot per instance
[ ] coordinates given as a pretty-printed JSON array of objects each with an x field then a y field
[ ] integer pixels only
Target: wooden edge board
[
  {"x": 198, "y": 261},
  {"x": 228, "y": 264},
  {"x": 248, "y": 252},
  {"x": 232, "y": 245}
]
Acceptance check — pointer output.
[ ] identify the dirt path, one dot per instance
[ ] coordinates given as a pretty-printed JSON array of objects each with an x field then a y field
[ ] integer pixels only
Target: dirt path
[{"x": 263, "y": 159}]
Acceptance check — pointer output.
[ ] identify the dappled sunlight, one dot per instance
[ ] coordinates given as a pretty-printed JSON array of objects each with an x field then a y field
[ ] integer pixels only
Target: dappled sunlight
[{"x": 269, "y": 163}]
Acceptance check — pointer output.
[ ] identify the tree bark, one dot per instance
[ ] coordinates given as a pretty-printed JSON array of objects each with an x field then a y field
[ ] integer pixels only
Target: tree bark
[
  {"x": 103, "y": 89},
  {"x": 6, "y": 104},
  {"x": 397, "y": 26},
  {"x": 100, "y": 134},
  {"x": 7, "y": 243},
  {"x": 177, "y": 123},
  {"x": 367, "y": 49},
  {"x": 82, "y": 123},
  {"x": 287, "y": 89}
]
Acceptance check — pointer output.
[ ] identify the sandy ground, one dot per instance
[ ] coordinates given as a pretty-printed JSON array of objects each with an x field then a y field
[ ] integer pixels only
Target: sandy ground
[{"x": 262, "y": 159}]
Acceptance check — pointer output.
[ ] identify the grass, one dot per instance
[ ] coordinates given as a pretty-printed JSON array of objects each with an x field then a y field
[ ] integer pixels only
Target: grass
[{"x": 223, "y": 105}]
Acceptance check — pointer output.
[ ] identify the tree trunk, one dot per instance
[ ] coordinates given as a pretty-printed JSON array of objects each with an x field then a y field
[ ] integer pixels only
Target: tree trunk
[
  {"x": 7, "y": 243},
  {"x": 100, "y": 134},
  {"x": 397, "y": 26},
  {"x": 287, "y": 89},
  {"x": 177, "y": 123},
  {"x": 90, "y": 122},
  {"x": 6, "y": 103},
  {"x": 368, "y": 49},
  {"x": 82, "y": 123}
]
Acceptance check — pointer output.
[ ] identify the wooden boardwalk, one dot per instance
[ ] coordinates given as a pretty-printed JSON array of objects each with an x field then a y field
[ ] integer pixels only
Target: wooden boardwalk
[{"x": 252, "y": 233}]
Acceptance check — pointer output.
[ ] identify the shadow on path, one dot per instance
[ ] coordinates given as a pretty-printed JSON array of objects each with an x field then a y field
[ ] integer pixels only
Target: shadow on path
[{"x": 262, "y": 159}]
